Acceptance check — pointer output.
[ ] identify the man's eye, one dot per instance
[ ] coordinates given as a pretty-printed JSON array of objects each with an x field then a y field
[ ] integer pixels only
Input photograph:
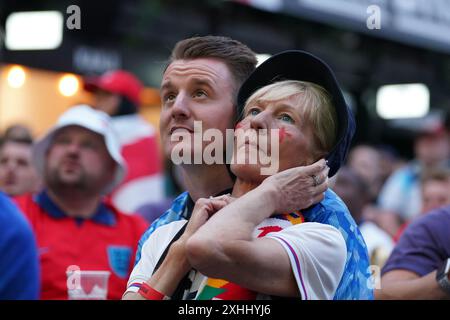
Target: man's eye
[
  {"x": 89, "y": 145},
  {"x": 286, "y": 118},
  {"x": 62, "y": 140},
  {"x": 22, "y": 163},
  {"x": 168, "y": 97},
  {"x": 199, "y": 93}
]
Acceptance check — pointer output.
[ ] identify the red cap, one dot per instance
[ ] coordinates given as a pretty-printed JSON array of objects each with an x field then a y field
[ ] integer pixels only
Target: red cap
[
  {"x": 432, "y": 125},
  {"x": 119, "y": 82},
  {"x": 431, "y": 131}
]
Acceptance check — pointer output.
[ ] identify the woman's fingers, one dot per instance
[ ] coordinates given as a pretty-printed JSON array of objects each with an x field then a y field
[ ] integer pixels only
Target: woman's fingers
[
  {"x": 314, "y": 169},
  {"x": 321, "y": 180},
  {"x": 213, "y": 204},
  {"x": 297, "y": 188},
  {"x": 219, "y": 203},
  {"x": 204, "y": 209},
  {"x": 321, "y": 188},
  {"x": 318, "y": 198}
]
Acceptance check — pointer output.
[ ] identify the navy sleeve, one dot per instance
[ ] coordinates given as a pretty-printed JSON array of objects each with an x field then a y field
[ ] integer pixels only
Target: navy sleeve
[
  {"x": 420, "y": 247},
  {"x": 19, "y": 266}
]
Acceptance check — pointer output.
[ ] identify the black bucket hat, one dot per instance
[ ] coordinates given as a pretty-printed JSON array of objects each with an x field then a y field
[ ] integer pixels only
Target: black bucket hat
[{"x": 303, "y": 66}]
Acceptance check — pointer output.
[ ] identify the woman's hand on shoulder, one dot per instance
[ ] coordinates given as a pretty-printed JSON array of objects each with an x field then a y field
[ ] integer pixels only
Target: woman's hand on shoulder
[{"x": 297, "y": 188}]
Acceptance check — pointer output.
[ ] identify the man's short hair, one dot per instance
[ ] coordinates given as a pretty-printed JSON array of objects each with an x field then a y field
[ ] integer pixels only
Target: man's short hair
[
  {"x": 25, "y": 141},
  {"x": 239, "y": 58},
  {"x": 435, "y": 174},
  {"x": 19, "y": 133}
]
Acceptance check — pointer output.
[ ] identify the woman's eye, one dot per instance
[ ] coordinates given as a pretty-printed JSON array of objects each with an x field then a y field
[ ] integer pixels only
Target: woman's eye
[
  {"x": 253, "y": 112},
  {"x": 287, "y": 118}
]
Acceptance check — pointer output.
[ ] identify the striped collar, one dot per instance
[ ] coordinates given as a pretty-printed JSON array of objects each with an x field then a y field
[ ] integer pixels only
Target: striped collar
[{"x": 103, "y": 214}]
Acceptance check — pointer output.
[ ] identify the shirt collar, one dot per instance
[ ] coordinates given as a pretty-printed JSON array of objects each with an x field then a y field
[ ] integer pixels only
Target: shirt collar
[
  {"x": 103, "y": 214},
  {"x": 190, "y": 203}
]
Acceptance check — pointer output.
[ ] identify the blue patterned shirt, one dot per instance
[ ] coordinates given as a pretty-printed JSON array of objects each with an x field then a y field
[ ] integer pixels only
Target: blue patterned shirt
[{"x": 355, "y": 283}]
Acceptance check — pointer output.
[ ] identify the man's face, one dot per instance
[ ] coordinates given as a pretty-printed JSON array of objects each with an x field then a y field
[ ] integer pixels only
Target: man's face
[
  {"x": 366, "y": 162},
  {"x": 17, "y": 175},
  {"x": 351, "y": 191},
  {"x": 432, "y": 149},
  {"x": 78, "y": 158},
  {"x": 435, "y": 194},
  {"x": 106, "y": 101},
  {"x": 195, "y": 90}
]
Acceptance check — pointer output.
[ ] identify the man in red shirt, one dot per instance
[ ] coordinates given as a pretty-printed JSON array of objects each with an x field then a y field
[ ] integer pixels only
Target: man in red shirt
[{"x": 75, "y": 227}]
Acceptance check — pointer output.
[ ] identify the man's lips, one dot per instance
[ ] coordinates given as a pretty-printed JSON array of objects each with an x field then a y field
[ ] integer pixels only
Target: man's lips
[
  {"x": 180, "y": 129},
  {"x": 10, "y": 180},
  {"x": 70, "y": 165}
]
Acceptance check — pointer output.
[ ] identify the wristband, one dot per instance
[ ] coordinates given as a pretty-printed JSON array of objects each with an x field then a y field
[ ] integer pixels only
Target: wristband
[{"x": 151, "y": 294}]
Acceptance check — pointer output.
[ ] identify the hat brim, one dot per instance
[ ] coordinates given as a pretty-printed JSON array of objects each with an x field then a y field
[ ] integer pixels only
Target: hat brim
[
  {"x": 303, "y": 66},
  {"x": 92, "y": 85}
]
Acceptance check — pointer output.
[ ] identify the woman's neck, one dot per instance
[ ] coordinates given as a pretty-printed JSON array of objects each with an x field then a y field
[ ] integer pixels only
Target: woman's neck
[
  {"x": 241, "y": 187},
  {"x": 203, "y": 181}
]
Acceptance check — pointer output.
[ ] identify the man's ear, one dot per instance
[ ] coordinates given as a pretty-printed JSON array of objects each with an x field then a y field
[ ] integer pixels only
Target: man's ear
[
  {"x": 111, "y": 177},
  {"x": 114, "y": 168},
  {"x": 48, "y": 151}
]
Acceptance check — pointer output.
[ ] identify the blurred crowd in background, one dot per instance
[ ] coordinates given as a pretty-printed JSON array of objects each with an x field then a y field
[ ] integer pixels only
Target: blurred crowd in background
[
  {"x": 390, "y": 179},
  {"x": 383, "y": 191}
]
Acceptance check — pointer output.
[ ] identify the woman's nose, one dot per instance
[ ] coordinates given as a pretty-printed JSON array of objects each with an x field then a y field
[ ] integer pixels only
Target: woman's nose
[{"x": 260, "y": 121}]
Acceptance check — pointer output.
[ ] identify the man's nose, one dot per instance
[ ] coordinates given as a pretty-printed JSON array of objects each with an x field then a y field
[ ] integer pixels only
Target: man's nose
[
  {"x": 73, "y": 148},
  {"x": 181, "y": 107},
  {"x": 11, "y": 165}
]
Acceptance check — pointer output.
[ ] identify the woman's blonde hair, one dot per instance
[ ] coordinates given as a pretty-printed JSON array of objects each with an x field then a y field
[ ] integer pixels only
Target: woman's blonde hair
[{"x": 317, "y": 110}]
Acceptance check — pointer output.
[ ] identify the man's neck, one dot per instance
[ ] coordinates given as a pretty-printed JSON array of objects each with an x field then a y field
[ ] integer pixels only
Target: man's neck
[
  {"x": 74, "y": 203},
  {"x": 203, "y": 181}
]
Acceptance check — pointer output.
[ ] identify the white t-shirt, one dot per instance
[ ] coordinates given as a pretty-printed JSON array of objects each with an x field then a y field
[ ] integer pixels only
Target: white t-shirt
[
  {"x": 317, "y": 253},
  {"x": 376, "y": 240},
  {"x": 139, "y": 148}
]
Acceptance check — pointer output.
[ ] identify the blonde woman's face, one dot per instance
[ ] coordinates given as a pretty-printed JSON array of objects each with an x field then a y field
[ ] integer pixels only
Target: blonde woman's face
[{"x": 294, "y": 136}]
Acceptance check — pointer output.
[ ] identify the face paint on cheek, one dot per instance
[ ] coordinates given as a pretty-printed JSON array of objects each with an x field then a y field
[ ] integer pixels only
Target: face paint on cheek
[
  {"x": 238, "y": 125},
  {"x": 283, "y": 134}
]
